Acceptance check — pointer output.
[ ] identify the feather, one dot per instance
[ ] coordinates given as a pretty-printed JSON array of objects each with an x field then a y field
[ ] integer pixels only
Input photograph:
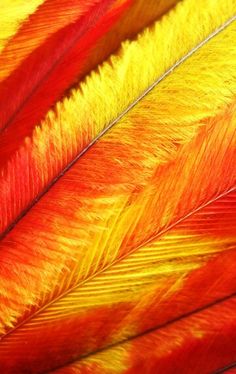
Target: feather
[
  {"x": 130, "y": 298},
  {"x": 61, "y": 55},
  {"x": 50, "y": 17},
  {"x": 197, "y": 343},
  {"x": 128, "y": 205},
  {"x": 53, "y": 15},
  {"x": 85, "y": 309},
  {"x": 73, "y": 135},
  {"x": 128, "y": 26},
  {"x": 125, "y": 233},
  {"x": 12, "y": 14},
  {"x": 129, "y": 23}
]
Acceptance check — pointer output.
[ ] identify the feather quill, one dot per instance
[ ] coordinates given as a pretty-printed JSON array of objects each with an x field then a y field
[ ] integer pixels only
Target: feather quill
[
  {"x": 129, "y": 25},
  {"x": 93, "y": 217}
]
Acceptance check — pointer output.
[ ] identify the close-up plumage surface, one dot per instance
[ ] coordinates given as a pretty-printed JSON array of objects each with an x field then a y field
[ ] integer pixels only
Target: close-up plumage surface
[{"x": 117, "y": 186}]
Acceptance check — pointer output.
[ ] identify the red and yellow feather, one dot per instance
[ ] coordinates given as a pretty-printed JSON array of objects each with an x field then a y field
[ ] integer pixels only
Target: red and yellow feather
[{"x": 118, "y": 205}]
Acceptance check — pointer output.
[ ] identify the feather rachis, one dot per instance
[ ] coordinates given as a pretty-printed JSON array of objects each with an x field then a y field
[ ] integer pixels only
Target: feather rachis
[{"x": 30, "y": 102}]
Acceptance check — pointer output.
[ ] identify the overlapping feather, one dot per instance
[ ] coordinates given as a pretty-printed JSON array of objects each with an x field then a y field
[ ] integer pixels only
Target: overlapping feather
[
  {"x": 194, "y": 344},
  {"x": 143, "y": 219},
  {"x": 86, "y": 32},
  {"x": 94, "y": 314},
  {"x": 51, "y": 16},
  {"x": 41, "y": 87},
  {"x": 78, "y": 119}
]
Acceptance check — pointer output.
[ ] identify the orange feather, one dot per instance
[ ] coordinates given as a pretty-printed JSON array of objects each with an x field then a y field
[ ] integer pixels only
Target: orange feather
[
  {"x": 199, "y": 343},
  {"x": 53, "y": 22},
  {"x": 118, "y": 212}
]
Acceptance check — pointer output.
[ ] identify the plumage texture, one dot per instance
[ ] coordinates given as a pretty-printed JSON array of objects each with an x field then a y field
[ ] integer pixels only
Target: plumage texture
[
  {"x": 49, "y": 18},
  {"x": 56, "y": 14},
  {"x": 12, "y": 14},
  {"x": 69, "y": 125},
  {"x": 30, "y": 106},
  {"x": 195, "y": 344},
  {"x": 107, "y": 235},
  {"x": 42, "y": 68},
  {"x": 129, "y": 25}
]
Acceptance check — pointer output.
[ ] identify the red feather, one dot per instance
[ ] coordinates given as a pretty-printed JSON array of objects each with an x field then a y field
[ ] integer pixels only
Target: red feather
[
  {"x": 199, "y": 343},
  {"x": 46, "y": 73}
]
